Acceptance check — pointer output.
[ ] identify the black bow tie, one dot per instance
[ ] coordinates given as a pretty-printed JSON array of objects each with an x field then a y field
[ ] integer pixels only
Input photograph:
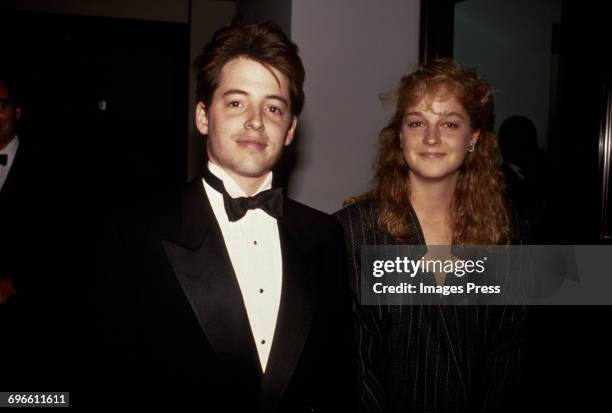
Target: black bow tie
[
  {"x": 3, "y": 159},
  {"x": 270, "y": 201}
]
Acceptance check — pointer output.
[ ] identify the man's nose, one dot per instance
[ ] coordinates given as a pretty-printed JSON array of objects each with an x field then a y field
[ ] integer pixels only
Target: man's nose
[{"x": 254, "y": 120}]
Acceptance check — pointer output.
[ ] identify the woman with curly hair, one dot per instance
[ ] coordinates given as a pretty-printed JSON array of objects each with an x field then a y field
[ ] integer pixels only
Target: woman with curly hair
[{"x": 436, "y": 182}]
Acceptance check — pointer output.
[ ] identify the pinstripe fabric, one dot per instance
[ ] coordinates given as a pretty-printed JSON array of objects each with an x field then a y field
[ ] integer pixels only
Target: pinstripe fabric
[{"x": 416, "y": 358}]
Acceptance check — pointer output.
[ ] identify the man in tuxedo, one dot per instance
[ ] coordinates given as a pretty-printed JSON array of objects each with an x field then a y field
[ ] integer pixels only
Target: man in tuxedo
[
  {"x": 27, "y": 306},
  {"x": 231, "y": 295},
  {"x": 19, "y": 195},
  {"x": 9, "y": 143}
]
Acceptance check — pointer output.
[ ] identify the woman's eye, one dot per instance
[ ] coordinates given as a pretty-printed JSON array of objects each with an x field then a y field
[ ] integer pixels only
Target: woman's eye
[
  {"x": 415, "y": 124},
  {"x": 451, "y": 125},
  {"x": 234, "y": 104}
]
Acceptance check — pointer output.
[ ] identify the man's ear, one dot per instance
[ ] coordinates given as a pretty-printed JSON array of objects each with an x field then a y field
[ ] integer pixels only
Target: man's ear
[
  {"x": 17, "y": 113},
  {"x": 291, "y": 131},
  {"x": 201, "y": 119}
]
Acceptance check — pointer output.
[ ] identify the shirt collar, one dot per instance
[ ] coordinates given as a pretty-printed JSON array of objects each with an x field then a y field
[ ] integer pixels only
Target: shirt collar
[
  {"x": 232, "y": 188},
  {"x": 11, "y": 148}
]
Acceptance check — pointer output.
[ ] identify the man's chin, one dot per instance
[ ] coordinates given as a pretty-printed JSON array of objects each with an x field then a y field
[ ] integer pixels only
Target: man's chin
[
  {"x": 4, "y": 140},
  {"x": 253, "y": 173},
  {"x": 253, "y": 169}
]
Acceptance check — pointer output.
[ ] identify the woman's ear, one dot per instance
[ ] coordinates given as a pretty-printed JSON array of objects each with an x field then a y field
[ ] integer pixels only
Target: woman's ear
[{"x": 475, "y": 136}]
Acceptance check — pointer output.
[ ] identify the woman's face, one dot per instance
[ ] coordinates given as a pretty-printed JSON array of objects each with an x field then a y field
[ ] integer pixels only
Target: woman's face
[{"x": 435, "y": 137}]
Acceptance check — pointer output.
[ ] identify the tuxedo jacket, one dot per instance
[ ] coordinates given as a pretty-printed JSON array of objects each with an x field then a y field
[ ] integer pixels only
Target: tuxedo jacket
[
  {"x": 31, "y": 320},
  {"x": 13, "y": 229},
  {"x": 24, "y": 202},
  {"x": 16, "y": 211},
  {"x": 13, "y": 185},
  {"x": 174, "y": 327},
  {"x": 428, "y": 358}
]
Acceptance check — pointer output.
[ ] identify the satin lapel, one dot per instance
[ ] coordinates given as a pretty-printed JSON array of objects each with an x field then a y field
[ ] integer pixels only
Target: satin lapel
[
  {"x": 11, "y": 182},
  {"x": 297, "y": 307},
  {"x": 199, "y": 258}
]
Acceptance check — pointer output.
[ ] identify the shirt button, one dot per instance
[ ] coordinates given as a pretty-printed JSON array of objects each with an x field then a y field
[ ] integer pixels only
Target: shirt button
[
  {"x": 254, "y": 242},
  {"x": 261, "y": 291},
  {"x": 263, "y": 341}
]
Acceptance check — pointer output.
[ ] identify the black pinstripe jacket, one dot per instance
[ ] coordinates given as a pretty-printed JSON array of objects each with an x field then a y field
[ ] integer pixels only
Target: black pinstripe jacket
[{"x": 417, "y": 358}]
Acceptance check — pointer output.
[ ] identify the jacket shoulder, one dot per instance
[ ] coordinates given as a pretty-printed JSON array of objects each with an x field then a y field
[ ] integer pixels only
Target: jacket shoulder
[
  {"x": 311, "y": 220},
  {"x": 363, "y": 213}
]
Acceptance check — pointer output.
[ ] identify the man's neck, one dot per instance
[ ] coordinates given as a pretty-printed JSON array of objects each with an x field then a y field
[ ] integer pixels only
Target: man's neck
[
  {"x": 4, "y": 144},
  {"x": 247, "y": 184}
]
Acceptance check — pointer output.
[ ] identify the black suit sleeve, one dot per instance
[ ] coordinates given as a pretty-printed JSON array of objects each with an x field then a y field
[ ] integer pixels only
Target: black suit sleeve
[{"x": 344, "y": 343}]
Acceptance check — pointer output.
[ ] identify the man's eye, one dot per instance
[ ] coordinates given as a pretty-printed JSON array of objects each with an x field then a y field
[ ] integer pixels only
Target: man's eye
[
  {"x": 275, "y": 110},
  {"x": 234, "y": 104},
  {"x": 3, "y": 105}
]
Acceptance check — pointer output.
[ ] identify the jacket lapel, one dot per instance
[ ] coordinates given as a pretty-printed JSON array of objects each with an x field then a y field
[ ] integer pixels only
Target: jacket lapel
[
  {"x": 296, "y": 311},
  {"x": 196, "y": 251},
  {"x": 445, "y": 316},
  {"x": 11, "y": 183}
]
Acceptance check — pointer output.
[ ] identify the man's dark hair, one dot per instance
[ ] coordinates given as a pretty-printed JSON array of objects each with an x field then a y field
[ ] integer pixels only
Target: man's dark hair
[
  {"x": 265, "y": 43},
  {"x": 12, "y": 86}
]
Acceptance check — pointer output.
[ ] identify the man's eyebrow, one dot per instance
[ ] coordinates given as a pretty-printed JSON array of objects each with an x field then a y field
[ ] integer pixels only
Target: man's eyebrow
[
  {"x": 235, "y": 92},
  {"x": 242, "y": 92},
  {"x": 277, "y": 97}
]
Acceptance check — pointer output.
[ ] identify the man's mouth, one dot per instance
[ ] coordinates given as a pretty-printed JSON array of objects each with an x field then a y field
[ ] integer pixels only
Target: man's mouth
[{"x": 252, "y": 143}]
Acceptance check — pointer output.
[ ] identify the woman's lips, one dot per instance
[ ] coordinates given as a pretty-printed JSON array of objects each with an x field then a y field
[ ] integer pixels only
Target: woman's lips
[{"x": 432, "y": 155}]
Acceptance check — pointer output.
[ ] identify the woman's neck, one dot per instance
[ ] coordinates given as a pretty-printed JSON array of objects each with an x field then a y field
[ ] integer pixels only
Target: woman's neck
[{"x": 432, "y": 199}]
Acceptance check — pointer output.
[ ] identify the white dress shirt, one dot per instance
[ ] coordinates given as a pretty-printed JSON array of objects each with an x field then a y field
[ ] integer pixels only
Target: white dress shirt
[
  {"x": 253, "y": 244},
  {"x": 10, "y": 150}
]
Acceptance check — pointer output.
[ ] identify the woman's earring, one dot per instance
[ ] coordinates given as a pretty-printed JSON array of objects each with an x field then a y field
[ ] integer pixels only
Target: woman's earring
[{"x": 471, "y": 147}]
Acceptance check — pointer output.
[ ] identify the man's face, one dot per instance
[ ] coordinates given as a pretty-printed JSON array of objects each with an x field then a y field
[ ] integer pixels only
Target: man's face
[
  {"x": 249, "y": 119},
  {"x": 435, "y": 137},
  {"x": 8, "y": 116}
]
